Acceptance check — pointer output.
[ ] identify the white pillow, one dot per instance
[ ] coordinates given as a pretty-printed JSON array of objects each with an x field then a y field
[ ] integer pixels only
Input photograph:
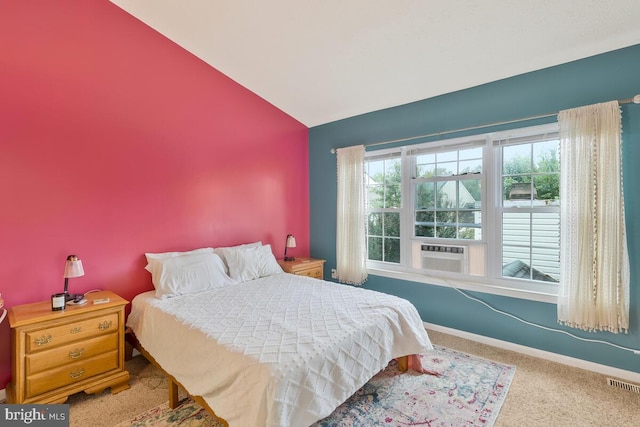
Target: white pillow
[
  {"x": 152, "y": 258},
  {"x": 186, "y": 274},
  {"x": 252, "y": 262},
  {"x": 222, "y": 252}
]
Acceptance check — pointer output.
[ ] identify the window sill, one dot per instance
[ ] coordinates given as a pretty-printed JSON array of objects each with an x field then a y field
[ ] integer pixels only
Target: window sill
[{"x": 467, "y": 285}]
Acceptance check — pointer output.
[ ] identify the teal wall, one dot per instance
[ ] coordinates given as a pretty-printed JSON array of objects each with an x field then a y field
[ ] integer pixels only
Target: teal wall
[{"x": 610, "y": 76}]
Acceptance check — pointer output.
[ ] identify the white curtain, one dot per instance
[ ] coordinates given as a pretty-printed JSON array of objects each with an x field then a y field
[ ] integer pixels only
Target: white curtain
[
  {"x": 594, "y": 263},
  {"x": 351, "y": 238}
]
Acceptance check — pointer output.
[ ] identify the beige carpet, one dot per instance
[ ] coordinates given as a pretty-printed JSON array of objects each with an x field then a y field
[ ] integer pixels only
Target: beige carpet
[{"x": 541, "y": 394}]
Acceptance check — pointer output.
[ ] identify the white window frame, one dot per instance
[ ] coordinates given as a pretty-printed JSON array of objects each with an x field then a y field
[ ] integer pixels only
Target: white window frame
[
  {"x": 389, "y": 154},
  {"x": 492, "y": 282}
]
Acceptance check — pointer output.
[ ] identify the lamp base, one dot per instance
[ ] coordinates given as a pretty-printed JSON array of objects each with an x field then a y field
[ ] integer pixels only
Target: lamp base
[{"x": 289, "y": 258}]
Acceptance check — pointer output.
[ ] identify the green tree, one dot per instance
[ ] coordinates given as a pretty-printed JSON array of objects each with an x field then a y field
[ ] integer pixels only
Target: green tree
[
  {"x": 385, "y": 191},
  {"x": 545, "y": 174}
]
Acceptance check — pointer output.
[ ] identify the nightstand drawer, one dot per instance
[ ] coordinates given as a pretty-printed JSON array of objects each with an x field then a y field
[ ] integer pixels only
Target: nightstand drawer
[
  {"x": 70, "y": 353},
  {"x": 314, "y": 272},
  {"x": 69, "y": 374},
  {"x": 44, "y": 339}
]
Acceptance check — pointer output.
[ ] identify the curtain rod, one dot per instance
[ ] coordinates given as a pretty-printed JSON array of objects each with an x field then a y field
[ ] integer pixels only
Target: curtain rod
[{"x": 635, "y": 100}]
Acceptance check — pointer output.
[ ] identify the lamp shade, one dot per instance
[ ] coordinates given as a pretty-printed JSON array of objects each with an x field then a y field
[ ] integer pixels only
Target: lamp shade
[
  {"x": 291, "y": 241},
  {"x": 73, "y": 267}
]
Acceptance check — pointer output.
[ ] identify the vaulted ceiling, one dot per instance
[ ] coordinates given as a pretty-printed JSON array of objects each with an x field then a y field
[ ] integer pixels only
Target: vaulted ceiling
[{"x": 325, "y": 60}]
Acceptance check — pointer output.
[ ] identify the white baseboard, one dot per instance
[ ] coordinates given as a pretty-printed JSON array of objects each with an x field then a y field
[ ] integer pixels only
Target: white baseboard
[{"x": 542, "y": 354}]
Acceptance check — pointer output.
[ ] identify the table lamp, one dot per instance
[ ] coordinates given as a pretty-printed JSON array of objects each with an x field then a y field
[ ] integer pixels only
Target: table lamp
[
  {"x": 73, "y": 268},
  {"x": 290, "y": 243}
]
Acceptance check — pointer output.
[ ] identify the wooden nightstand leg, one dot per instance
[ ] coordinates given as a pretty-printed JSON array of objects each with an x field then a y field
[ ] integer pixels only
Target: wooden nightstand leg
[{"x": 130, "y": 342}]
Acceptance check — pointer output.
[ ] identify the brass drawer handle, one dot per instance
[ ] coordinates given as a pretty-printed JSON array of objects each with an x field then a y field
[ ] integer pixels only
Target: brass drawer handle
[
  {"x": 76, "y": 374},
  {"x": 76, "y": 330},
  {"x": 78, "y": 352},
  {"x": 103, "y": 326},
  {"x": 43, "y": 340}
]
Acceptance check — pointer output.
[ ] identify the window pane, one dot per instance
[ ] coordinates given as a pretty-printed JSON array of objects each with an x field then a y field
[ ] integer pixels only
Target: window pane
[
  {"x": 375, "y": 171},
  {"x": 425, "y": 166},
  {"x": 426, "y": 170},
  {"x": 471, "y": 153},
  {"x": 446, "y": 224},
  {"x": 424, "y": 224},
  {"x": 375, "y": 224},
  {"x": 393, "y": 196},
  {"x": 517, "y": 191},
  {"x": 392, "y": 171},
  {"x": 531, "y": 246},
  {"x": 392, "y": 250},
  {"x": 375, "y": 248},
  {"x": 446, "y": 232},
  {"x": 515, "y": 233},
  {"x": 471, "y": 166},
  {"x": 424, "y": 195},
  {"x": 383, "y": 184},
  {"x": 446, "y": 217},
  {"x": 425, "y": 231},
  {"x": 469, "y": 194},
  {"x": 447, "y": 156},
  {"x": 447, "y": 168},
  {"x": 516, "y": 159},
  {"x": 447, "y": 195},
  {"x": 375, "y": 196},
  {"x": 425, "y": 158},
  {"x": 547, "y": 189},
  {"x": 470, "y": 225},
  {"x": 546, "y": 156},
  {"x": 470, "y": 218},
  {"x": 427, "y": 217},
  {"x": 392, "y": 224},
  {"x": 545, "y": 230},
  {"x": 545, "y": 264}
]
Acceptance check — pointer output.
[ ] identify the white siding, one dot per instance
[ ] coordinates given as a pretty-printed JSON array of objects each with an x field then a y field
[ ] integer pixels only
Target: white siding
[{"x": 539, "y": 248}]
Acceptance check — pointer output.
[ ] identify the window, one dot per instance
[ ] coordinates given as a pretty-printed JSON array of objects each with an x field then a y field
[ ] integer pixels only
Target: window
[
  {"x": 384, "y": 200},
  {"x": 530, "y": 212},
  {"x": 447, "y": 194},
  {"x": 483, "y": 209}
]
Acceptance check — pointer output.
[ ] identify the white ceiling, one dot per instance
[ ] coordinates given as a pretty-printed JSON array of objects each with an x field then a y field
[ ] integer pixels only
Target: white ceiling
[{"x": 325, "y": 60}]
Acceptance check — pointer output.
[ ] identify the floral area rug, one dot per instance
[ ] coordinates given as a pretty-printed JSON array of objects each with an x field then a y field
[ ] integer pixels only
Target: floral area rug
[{"x": 469, "y": 392}]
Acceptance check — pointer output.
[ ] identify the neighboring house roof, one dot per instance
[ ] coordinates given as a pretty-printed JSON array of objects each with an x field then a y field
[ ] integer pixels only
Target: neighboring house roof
[{"x": 520, "y": 269}]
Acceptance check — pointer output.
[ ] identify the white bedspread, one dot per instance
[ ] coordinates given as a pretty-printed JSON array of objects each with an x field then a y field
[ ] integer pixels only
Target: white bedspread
[{"x": 284, "y": 350}]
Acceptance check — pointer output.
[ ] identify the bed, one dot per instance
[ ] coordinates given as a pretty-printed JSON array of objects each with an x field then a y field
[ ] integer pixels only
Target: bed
[{"x": 261, "y": 347}]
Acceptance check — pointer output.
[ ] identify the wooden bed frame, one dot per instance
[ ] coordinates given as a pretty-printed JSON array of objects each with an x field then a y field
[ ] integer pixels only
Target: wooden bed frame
[{"x": 132, "y": 342}]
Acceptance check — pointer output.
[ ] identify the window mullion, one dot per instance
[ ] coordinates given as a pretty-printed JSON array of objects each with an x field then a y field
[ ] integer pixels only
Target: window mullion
[
  {"x": 408, "y": 167},
  {"x": 493, "y": 164}
]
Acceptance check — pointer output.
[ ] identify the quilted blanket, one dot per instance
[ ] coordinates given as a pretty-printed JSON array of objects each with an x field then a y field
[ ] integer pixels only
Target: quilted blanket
[{"x": 282, "y": 350}]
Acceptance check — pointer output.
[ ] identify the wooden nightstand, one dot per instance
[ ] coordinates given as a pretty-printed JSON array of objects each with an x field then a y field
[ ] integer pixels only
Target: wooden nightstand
[
  {"x": 311, "y": 267},
  {"x": 59, "y": 353}
]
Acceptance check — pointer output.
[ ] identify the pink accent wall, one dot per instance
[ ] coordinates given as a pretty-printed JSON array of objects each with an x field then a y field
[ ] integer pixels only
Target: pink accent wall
[{"x": 114, "y": 141}]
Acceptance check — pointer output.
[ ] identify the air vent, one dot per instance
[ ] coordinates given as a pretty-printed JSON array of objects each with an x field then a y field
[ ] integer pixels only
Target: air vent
[
  {"x": 623, "y": 385},
  {"x": 452, "y": 259}
]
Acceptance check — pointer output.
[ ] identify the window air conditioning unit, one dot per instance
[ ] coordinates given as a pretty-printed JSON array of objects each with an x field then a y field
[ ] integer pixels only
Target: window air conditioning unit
[{"x": 451, "y": 259}]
